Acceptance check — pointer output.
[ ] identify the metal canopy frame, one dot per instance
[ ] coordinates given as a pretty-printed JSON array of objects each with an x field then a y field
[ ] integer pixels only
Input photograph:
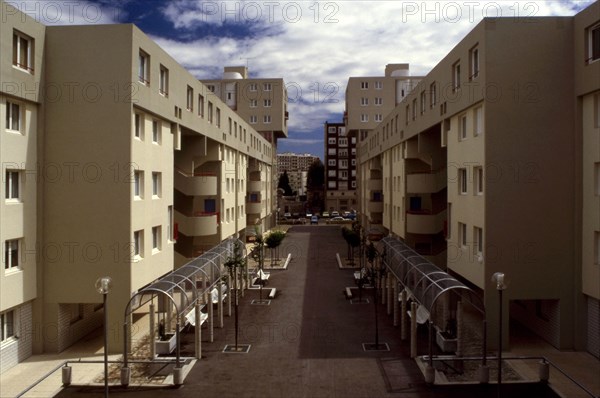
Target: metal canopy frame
[
  {"x": 184, "y": 287},
  {"x": 426, "y": 283}
]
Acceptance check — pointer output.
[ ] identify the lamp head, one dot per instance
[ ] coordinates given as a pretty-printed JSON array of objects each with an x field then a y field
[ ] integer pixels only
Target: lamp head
[
  {"x": 498, "y": 277},
  {"x": 103, "y": 284}
]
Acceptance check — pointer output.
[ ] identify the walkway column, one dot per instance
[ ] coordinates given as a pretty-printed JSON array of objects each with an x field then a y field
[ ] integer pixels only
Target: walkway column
[
  {"x": 403, "y": 316},
  {"x": 152, "y": 329},
  {"x": 220, "y": 305},
  {"x": 230, "y": 293},
  {"x": 390, "y": 293},
  {"x": 413, "y": 329},
  {"x": 198, "y": 330},
  {"x": 383, "y": 288},
  {"x": 395, "y": 297},
  {"x": 211, "y": 321},
  {"x": 459, "y": 329}
]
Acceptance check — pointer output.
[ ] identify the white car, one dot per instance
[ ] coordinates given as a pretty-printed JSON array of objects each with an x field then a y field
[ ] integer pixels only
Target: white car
[{"x": 335, "y": 214}]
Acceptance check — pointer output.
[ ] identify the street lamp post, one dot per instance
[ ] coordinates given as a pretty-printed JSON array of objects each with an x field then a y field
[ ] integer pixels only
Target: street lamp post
[
  {"x": 103, "y": 286},
  {"x": 498, "y": 277}
]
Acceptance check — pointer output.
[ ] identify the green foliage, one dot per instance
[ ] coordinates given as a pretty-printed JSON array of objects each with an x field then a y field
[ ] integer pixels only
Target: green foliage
[
  {"x": 284, "y": 183},
  {"x": 351, "y": 236},
  {"x": 274, "y": 239},
  {"x": 237, "y": 260}
]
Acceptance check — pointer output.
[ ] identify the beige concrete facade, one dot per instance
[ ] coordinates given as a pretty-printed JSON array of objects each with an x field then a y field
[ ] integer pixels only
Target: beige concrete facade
[
  {"x": 111, "y": 148},
  {"x": 467, "y": 168}
]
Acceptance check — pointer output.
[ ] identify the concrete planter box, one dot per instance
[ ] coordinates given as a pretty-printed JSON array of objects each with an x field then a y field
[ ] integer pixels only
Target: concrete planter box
[
  {"x": 446, "y": 344},
  {"x": 165, "y": 346}
]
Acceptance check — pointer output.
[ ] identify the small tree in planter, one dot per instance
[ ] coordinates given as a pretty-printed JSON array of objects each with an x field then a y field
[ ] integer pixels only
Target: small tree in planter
[
  {"x": 376, "y": 271},
  {"x": 352, "y": 238},
  {"x": 258, "y": 255},
  {"x": 235, "y": 264},
  {"x": 272, "y": 241}
]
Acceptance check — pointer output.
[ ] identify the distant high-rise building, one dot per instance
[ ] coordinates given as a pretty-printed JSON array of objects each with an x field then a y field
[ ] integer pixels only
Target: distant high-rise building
[{"x": 340, "y": 168}]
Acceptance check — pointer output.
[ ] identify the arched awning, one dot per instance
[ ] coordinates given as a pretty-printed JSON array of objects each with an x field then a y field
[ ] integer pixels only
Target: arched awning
[{"x": 423, "y": 280}]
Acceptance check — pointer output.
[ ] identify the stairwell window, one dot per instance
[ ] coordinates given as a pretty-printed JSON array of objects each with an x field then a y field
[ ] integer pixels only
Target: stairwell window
[
  {"x": 156, "y": 185},
  {"x": 190, "y": 99},
  {"x": 138, "y": 184},
  {"x": 462, "y": 126},
  {"x": 12, "y": 186},
  {"x": 13, "y": 117},
  {"x": 478, "y": 180},
  {"x": 456, "y": 76},
  {"x": 138, "y": 244},
  {"x": 462, "y": 235},
  {"x": 200, "y": 105},
  {"x": 156, "y": 239},
  {"x": 156, "y": 132},
  {"x": 478, "y": 242},
  {"x": 144, "y": 68},
  {"x": 593, "y": 40},
  {"x": 462, "y": 181},
  {"x": 23, "y": 50},
  {"x": 432, "y": 95},
  {"x": 139, "y": 126},
  {"x": 474, "y": 64},
  {"x": 478, "y": 121},
  {"x": 163, "y": 84},
  {"x": 12, "y": 259}
]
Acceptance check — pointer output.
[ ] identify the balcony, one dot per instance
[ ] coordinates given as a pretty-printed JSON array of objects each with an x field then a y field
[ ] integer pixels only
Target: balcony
[
  {"x": 423, "y": 222},
  {"x": 197, "y": 184},
  {"x": 431, "y": 182},
  {"x": 375, "y": 184},
  {"x": 198, "y": 224},
  {"x": 254, "y": 186},
  {"x": 253, "y": 207}
]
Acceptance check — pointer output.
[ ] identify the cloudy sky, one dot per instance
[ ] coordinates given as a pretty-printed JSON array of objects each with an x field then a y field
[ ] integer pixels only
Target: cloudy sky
[{"x": 314, "y": 46}]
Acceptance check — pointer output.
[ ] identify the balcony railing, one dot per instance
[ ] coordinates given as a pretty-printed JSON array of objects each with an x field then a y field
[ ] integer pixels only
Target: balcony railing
[
  {"x": 198, "y": 224},
  {"x": 196, "y": 184},
  {"x": 426, "y": 182},
  {"x": 424, "y": 222}
]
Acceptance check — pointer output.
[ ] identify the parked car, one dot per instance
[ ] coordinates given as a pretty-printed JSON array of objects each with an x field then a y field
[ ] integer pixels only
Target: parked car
[
  {"x": 314, "y": 220},
  {"x": 338, "y": 220},
  {"x": 325, "y": 214},
  {"x": 335, "y": 214},
  {"x": 309, "y": 215},
  {"x": 287, "y": 215}
]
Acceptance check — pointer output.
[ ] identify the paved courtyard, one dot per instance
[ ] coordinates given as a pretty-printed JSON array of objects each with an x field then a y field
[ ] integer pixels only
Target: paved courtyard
[{"x": 308, "y": 342}]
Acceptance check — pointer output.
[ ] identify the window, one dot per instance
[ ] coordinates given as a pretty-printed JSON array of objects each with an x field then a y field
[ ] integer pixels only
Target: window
[
  {"x": 156, "y": 232},
  {"x": 378, "y": 117},
  {"x": 7, "y": 325},
  {"x": 407, "y": 114},
  {"x": 267, "y": 86},
  {"x": 331, "y": 184},
  {"x": 144, "y": 68},
  {"x": 462, "y": 234},
  {"x": 456, "y": 76},
  {"x": 267, "y": 119},
  {"x": 478, "y": 121},
  {"x": 331, "y": 151},
  {"x": 331, "y": 130},
  {"x": 343, "y": 163},
  {"x": 138, "y": 184},
  {"x": 364, "y": 118},
  {"x": 343, "y": 153},
  {"x": 331, "y": 140},
  {"x": 432, "y": 95},
  {"x": 423, "y": 102},
  {"x": 364, "y": 85},
  {"x": 593, "y": 43},
  {"x": 253, "y": 119},
  {"x": 200, "y": 105},
  {"x": 139, "y": 126},
  {"x": 343, "y": 142},
  {"x": 12, "y": 185},
  {"x": 156, "y": 184},
  {"x": 414, "y": 109},
  {"x": 13, "y": 116},
  {"x": 474, "y": 64},
  {"x": 138, "y": 244},
  {"x": 253, "y": 103},
  {"x": 378, "y": 85},
  {"x": 462, "y": 127},
  {"x": 163, "y": 83},
  {"x": 331, "y": 162},
  {"x": 12, "y": 260},
  {"x": 267, "y": 103},
  {"x": 462, "y": 181},
  {"x": 378, "y": 101},
  {"x": 364, "y": 101},
  {"x": 252, "y": 87},
  {"x": 211, "y": 88},
  {"x": 156, "y": 131},
  {"x": 218, "y": 123},
  {"x": 478, "y": 172},
  {"x": 190, "y": 99},
  {"x": 353, "y": 184},
  {"x": 478, "y": 241},
  {"x": 170, "y": 230},
  {"x": 23, "y": 51},
  {"x": 210, "y": 112}
]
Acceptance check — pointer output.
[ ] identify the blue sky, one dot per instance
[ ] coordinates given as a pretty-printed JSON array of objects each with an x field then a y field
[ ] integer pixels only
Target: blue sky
[{"x": 314, "y": 46}]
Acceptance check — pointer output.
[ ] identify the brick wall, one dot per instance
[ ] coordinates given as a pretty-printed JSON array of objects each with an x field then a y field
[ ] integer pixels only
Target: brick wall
[
  {"x": 68, "y": 332},
  {"x": 18, "y": 349},
  {"x": 542, "y": 317},
  {"x": 593, "y": 330}
]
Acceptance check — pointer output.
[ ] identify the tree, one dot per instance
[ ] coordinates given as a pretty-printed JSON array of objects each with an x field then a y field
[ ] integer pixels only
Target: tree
[
  {"x": 315, "y": 184},
  {"x": 284, "y": 183},
  {"x": 352, "y": 238},
  {"x": 273, "y": 240},
  {"x": 235, "y": 264}
]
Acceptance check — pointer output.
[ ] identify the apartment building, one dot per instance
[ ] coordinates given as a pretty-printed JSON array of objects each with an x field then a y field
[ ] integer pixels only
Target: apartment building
[
  {"x": 116, "y": 163},
  {"x": 296, "y": 166},
  {"x": 262, "y": 103},
  {"x": 340, "y": 168},
  {"x": 480, "y": 170}
]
